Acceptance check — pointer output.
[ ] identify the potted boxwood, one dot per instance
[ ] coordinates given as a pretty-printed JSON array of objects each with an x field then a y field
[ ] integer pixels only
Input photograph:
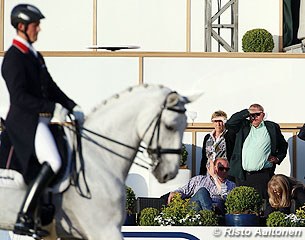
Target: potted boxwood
[
  {"x": 280, "y": 219},
  {"x": 277, "y": 219},
  {"x": 147, "y": 217},
  {"x": 183, "y": 158},
  {"x": 130, "y": 207},
  {"x": 257, "y": 40},
  {"x": 243, "y": 205}
]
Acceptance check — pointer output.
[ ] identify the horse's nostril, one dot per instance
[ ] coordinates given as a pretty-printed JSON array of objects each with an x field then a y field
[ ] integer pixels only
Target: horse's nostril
[{"x": 165, "y": 177}]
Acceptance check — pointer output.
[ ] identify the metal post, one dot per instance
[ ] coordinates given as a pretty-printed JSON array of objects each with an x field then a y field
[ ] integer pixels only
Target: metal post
[{"x": 210, "y": 33}]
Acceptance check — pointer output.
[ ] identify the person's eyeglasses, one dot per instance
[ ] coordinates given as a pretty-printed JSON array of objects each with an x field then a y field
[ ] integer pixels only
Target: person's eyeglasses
[
  {"x": 217, "y": 121},
  {"x": 255, "y": 114},
  {"x": 222, "y": 169}
]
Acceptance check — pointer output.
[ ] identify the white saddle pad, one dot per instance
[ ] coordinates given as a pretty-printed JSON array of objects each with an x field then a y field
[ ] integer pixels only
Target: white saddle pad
[{"x": 11, "y": 179}]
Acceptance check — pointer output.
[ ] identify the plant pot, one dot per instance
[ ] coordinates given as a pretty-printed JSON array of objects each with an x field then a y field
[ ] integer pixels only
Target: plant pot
[
  {"x": 242, "y": 220},
  {"x": 130, "y": 220},
  {"x": 183, "y": 167}
]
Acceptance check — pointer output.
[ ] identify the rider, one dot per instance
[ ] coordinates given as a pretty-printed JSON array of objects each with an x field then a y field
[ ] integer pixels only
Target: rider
[{"x": 34, "y": 100}]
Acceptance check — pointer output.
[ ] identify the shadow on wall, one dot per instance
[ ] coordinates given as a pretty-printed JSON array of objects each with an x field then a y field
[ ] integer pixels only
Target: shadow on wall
[
  {"x": 198, "y": 152},
  {"x": 300, "y": 158},
  {"x": 138, "y": 184},
  {"x": 290, "y": 155},
  {"x": 300, "y": 149}
]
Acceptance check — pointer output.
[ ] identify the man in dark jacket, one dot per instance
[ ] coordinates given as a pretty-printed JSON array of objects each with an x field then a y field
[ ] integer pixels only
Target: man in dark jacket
[
  {"x": 34, "y": 100},
  {"x": 259, "y": 146}
]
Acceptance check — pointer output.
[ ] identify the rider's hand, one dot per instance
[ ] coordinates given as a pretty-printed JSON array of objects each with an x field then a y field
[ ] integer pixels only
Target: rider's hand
[
  {"x": 78, "y": 114},
  {"x": 60, "y": 113}
]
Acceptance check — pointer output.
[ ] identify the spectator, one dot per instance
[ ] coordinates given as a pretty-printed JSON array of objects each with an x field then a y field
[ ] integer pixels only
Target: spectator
[
  {"x": 286, "y": 194},
  {"x": 259, "y": 146},
  {"x": 218, "y": 143},
  {"x": 208, "y": 190}
]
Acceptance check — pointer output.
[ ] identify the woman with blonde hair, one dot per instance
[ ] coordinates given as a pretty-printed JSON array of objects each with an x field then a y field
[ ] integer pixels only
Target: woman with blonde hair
[
  {"x": 286, "y": 194},
  {"x": 217, "y": 144}
]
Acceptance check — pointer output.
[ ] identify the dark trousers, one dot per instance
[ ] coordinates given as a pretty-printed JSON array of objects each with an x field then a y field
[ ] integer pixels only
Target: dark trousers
[{"x": 258, "y": 180}]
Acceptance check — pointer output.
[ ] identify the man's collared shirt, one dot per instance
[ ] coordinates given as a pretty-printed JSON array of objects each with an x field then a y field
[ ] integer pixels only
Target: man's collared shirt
[
  {"x": 206, "y": 181},
  {"x": 25, "y": 43},
  {"x": 257, "y": 149}
]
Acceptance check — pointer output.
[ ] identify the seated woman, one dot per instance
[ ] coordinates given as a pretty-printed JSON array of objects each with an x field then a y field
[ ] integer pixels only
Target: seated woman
[{"x": 286, "y": 194}]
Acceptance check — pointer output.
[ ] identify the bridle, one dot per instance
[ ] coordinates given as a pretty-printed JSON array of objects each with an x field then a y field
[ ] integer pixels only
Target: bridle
[
  {"x": 152, "y": 152},
  {"x": 81, "y": 132},
  {"x": 158, "y": 151}
]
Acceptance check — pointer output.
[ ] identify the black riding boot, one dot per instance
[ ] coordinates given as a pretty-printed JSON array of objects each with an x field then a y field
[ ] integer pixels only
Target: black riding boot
[{"x": 25, "y": 224}]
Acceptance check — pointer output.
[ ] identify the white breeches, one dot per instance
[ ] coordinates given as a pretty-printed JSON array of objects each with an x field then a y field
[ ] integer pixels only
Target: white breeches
[{"x": 45, "y": 146}]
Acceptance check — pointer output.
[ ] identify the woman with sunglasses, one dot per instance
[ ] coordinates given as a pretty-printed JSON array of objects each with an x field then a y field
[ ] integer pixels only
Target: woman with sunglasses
[
  {"x": 218, "y": 143},
  {"x": 286, "y": 194}
]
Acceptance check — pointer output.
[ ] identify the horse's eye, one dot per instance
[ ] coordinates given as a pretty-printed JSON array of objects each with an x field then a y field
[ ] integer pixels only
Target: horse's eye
[{"x": 170, "y": 128}]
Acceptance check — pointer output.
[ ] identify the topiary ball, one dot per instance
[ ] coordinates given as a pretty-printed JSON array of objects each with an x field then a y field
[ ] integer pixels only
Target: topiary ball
[
  {"x": 257, "y": 40},
  {"x": 277, "y": 219},
  {"x": 147, "y": 217},
  {"x": 208, "y": 218},
  {"x": 243, "y": 200}
]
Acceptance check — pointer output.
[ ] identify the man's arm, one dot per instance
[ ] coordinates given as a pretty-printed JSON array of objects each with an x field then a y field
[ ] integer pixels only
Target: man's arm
[
  {"x": 236, "y": 120},
  {"x": 170, "y": 196},
  {"x": 187, "y": 190}
]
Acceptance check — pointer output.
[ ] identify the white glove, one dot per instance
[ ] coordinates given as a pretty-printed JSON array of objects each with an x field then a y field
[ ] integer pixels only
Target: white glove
[
  {"x": 78, "y": 114},
  {"x": 60, "y": 113}
]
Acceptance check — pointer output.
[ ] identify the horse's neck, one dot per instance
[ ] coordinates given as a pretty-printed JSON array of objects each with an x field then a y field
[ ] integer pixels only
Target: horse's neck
[
  {"x": 112, "y": 157},
  {"x": 124, "y": 119}
]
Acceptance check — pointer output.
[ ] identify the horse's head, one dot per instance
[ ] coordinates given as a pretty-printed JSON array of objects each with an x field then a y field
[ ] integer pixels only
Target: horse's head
[{"x": 165, "y": 142}]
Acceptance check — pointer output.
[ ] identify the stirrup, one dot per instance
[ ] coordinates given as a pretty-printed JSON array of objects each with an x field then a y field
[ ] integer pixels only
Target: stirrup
[{"x": 26, "y": 226}]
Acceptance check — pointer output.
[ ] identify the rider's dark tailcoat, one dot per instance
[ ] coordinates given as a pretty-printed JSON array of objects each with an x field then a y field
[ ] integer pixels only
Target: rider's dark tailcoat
[{"x": 32, "y": 93}]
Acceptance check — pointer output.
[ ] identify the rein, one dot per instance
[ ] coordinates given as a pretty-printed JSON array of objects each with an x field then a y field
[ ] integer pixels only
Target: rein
[
  {"x": 80, "y": 133},
  {"x": 158, "y": 150}
]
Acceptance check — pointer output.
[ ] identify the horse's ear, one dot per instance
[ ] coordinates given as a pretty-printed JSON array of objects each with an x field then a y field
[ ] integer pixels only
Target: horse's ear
[
  {"x": 172, "y": 99},
  {"x": 192, "y": 98}
]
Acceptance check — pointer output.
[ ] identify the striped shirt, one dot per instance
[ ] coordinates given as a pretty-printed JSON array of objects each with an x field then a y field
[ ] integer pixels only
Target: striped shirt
[
  {"x": 216, "y": 147},
  {"x": 206, "y": 181}
]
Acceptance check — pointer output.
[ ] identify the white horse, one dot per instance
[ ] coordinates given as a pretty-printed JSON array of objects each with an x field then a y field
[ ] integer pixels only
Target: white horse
[{"x": 151, "y": 114}]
